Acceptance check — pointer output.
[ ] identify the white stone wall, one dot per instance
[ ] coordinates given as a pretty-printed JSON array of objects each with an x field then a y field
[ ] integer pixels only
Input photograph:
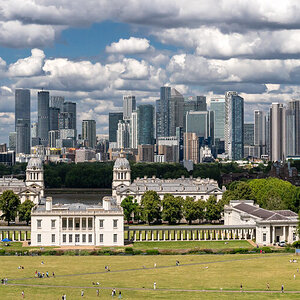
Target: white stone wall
[{"x": 46, "y": 231}]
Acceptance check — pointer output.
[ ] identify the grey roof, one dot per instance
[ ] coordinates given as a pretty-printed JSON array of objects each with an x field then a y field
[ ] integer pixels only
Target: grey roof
[
  {"x": 172, "y": 185},
  {"x": 267, "y": 215},
  {"x": 121, "y": 163},
  {"x": 35, "y": 162}
]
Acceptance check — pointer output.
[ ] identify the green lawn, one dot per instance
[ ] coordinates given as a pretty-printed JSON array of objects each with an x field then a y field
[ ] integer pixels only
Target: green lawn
[
  {"x": 196, "y": 272},
  {"x": 192, "y": 244}
]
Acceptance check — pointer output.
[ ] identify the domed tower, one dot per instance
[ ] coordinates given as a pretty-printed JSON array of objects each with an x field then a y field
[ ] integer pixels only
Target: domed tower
[
  {"x": 35, "y": 174},
  {"x": 121, "y": 173}
]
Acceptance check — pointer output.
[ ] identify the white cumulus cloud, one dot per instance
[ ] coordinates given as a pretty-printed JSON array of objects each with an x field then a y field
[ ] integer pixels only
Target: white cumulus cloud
[{"x": 129, "y": 46}]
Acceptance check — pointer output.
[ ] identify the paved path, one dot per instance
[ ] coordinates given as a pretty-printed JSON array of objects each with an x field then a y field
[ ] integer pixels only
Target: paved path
[
  {"x": 147, "y": 289},
  {"x": 152, "y": 268}
]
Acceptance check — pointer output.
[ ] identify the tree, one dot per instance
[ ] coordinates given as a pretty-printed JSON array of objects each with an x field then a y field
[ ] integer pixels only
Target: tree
[
  {"x": 200, "y": 207},
  {"x": 151, "y": 207},
  {"x": 212, "y": 212},
  {"x": 129, "y": 207},
  {"x": 172, "y": 208},
  {"x": 25, "y": 211},
  {"x": 9, "y": 204},
  {"x": 190, "y": 209}
]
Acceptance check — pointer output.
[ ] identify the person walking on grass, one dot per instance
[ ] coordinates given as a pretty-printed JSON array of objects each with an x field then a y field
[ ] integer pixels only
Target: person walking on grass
[
  {"x": 154, "y": 285},
  {"x": 282, "y": 288},
  {"x": 241, "y": 287},
  {"x": 97, "y": 292},
  {"x": 120, "y": 295},
  {"x": 268, "y": 286},
  {"x": 82, "y": 293},
  {"x": 23, "y": 295}
]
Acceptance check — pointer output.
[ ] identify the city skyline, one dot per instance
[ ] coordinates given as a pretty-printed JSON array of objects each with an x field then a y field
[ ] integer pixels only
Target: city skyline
[{"x": 141, "y": 48}]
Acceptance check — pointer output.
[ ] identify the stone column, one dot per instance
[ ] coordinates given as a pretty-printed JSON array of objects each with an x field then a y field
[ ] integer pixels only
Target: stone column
[
  {"x": 205, "y": 235},
  {"x": 284, "y": 234},
  {"x": 152, "y": 235},
  {"x": 273, "y": 234}
]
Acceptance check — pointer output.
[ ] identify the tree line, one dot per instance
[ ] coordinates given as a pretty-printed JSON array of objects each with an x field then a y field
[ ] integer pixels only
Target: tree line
[
  {"x": 11, "y": 207},
  {"x": 171, "y": 209}
]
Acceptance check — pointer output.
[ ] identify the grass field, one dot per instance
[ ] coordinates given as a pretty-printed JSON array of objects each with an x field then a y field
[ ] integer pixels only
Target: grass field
[
  {"x": 135, "y": 275},
  {"x": 192, "y": 244}
]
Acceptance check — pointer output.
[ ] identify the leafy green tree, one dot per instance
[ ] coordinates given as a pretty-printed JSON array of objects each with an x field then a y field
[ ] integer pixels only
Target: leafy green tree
[
  {"x": 212, "y": 212},
  {"x": 200, "y": 208},
  {"x": 9, "y": 204},
  {"x": 190, "y": 209},
  {"x": 25, "y": 211},
  {"x": 172, "y": 208},
  {"x": 129, "y": 206},
  {"x": 151, "y": 206}
]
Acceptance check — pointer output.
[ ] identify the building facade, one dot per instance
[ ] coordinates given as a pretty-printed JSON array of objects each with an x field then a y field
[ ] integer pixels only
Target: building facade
[
  {"x": 43, "y": 116},
  {"x": 271, "y": 226},
  {"x": 22, "y": 120},
  {"x": 77, "y": 224},
  {"x": 89, "y": 133},
  {"x": 145, "y": 124},
  {"x": 217, "y": 105},
  {"x": 129, "y": 105},
  {"x": 234, "y": 126},
  {"x": 113, "y": 120}
]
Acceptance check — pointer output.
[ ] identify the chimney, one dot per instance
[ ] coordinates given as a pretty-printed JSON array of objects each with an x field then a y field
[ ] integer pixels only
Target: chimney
[
  {"x": 48, "y": 203},
  {"x": 106, "y": 203}
]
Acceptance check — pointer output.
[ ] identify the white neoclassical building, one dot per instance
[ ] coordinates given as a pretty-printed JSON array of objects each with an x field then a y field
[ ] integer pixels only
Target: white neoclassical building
[
  {"x": 193, "y": 187},
  {"x": 77, "y": 224},
  {"x": 33, "y": 186},
  {"x": 270, "y": 226}
]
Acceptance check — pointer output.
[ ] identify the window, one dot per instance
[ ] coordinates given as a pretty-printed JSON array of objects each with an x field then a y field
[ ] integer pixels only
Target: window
[
  {"x": 115, "y": 223},
  {"x": 101, "y": 223},
  {"x": 53, "y": 224},
  {"x": 77, "y": 238},
  {"x": 83, "y": 238},
  {"x": 77, "y": 223},
  {"x": 90, "y": 223},
  {"x": 53, "y": 238},
  {"x": 70, "y": 238},
  {"x": 264, "y": 237},
  {"x": 64, "y": 238},
  {"x": 101, "y": 238},
  {"x": 83, "y": 223},
  {"x": 39, "y": 223},
  {"x": 294, "y": 236},
  {"x": 39, "y": 238},
  {"x": 64, "y": 223},
  {"x": 70, "y": 225},
  {"x": 115, "y": 238},
  {"x": 90, "y": 238}
]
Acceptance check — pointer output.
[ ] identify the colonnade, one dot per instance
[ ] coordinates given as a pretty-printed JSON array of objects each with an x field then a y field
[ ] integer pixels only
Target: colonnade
[
  {"x": 16, "y": 234},
  {"x": 188, "y": 233}
]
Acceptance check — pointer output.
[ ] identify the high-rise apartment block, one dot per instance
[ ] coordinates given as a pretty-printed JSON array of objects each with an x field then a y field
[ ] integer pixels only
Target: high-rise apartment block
[
  {"x": 234, "y": 125},
  {"x": 113, "y": 120},
  {"x": 43, "y": 117},
  {"x": 57, "y": 102},
  {"x": 293, "y": 128},
  {"x": 260, "y": 130},
  {"x": 123, "y": 135},
  {"x": 22, "y": 120},
  {"x": 191, "y": 147},
  {"x": 129, "y": 105},
  {"x": 163, "y": 112},
  {"x": 145, "y": 124},
  {"x": 89, "y": 133},
  {"x": 217, "y": 105},
  {"x": 249, "y": 134},
  {"x": 134, "y": 130},
  {"x": 277, "y": 132}
]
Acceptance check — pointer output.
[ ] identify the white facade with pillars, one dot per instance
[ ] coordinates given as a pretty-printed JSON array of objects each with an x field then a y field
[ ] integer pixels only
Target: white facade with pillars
[
  {"x": 270, "y": 226},
  {"x": 199, "y": 189},
  {"x": 77, "y": 224}
]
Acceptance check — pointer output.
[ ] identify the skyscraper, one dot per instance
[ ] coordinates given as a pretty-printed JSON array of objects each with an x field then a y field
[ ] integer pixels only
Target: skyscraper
[
  {"x": 217, "y": 105},
  {"x": 293, "y": 128},
  {"x": 162, "y": 113},
  {"x": 54, "y": 118},
  {"x": 12, "y": 140},
  {"x": 176, "y": 109},
  {"x": 123, "y": 135},
  {"x": 249, "y": 134},
  {"x": 145, "y": 124},
  {"x": 22, "y": 120},
  {"x": 198, "y": 122},
  {"x": 277, "y": 132},
  {"x": 191, "y": 147},
  {"x": 129, "y": 105},
  {"x": 134, "y": 130},
  {"x": 234, "y": 125},
  {"x": 89, "y": 132},
  {"x": 260, "y": 131},
  {"x": 57, "y": 102},
  {"x": 113, "y": 120},
  {"x": 43, "y": 116}
]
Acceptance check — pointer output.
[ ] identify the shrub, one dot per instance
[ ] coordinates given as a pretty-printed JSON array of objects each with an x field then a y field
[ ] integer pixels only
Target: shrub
[
  {"x": 129, "y": 250},
  {"x": 2, "y": 252},
  {"x": 296, "y": 244},
  {"x": 69, "y": 252},
  {"x": 152, "y": 252},
  {"x": 267, "y": 249}
]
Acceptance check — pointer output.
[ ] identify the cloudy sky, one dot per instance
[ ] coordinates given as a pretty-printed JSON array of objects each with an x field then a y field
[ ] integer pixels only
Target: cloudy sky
[{"x": 94, "y": 51}]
